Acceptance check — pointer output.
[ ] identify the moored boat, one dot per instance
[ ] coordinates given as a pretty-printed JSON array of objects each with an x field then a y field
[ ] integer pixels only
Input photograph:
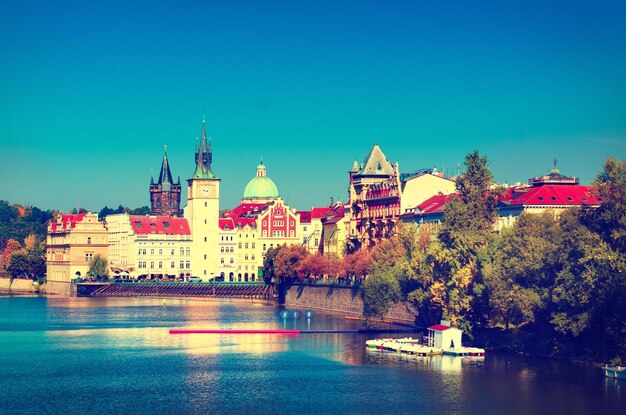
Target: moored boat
[{"x": 616, "y": 372}]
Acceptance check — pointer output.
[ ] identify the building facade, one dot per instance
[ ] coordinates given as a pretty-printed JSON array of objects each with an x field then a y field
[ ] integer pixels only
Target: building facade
[
  {"x": 149, "y": 247},
  {"x": 73, "y": 240}
]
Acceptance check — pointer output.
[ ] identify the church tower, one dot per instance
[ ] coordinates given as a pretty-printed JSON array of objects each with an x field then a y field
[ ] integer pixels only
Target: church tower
[
  {"x": 202, "y": 211},
  {"x": 165, "y": 194}
]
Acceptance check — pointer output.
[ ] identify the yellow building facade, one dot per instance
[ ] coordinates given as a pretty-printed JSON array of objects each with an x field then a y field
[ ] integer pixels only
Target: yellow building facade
[{"x": 73, "y": 240}]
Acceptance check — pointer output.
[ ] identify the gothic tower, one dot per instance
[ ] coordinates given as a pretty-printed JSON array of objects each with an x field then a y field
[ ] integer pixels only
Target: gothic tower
[
  {"x": 165, "y": 194},
  {"x": 202, "y": 211}
]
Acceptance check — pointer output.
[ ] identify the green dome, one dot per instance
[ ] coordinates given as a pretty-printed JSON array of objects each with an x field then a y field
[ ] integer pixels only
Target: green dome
[{"x": 261, "y": 186}]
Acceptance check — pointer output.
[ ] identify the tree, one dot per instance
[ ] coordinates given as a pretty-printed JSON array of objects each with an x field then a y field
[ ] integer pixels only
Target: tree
[
  {"x": 609, "y": 220},
  {"x": 519, "y": 271},
  {"x": 465, "y": 233},
  {"x": 11, "y": 248},
  {"x": 289, "y": 262},
  {"x": 269, "y": 274},
  {"x": 358, "y": 264},
  {"x": 141, "y": 211},
  {"x": 380, "y": 291},
  {"x": 18, "y": 265},
  {"x": 99, "y": 267}
]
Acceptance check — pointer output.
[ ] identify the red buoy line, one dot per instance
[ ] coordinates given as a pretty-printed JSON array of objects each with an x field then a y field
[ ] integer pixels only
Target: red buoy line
[{"x": 222, "y": 331}]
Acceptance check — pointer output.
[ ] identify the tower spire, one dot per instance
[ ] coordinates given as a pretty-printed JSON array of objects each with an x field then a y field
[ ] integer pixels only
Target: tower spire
[{"x": 204, "y": 155}]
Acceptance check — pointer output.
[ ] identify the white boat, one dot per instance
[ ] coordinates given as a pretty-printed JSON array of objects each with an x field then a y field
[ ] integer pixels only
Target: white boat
[{"x": 616, "y": 372}]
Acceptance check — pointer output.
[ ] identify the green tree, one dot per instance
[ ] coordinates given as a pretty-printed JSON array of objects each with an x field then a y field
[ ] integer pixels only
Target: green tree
[
  {"x": 465, "y": 233},
  {"x": 141, "y": 211},
  {"x": 609, "y": 220},
  {"x": 99, "y": 267},
  {"x": 380, "y": 291},
  {"x": 19, "y": 265},
  {"x": 269, "y": 274}
]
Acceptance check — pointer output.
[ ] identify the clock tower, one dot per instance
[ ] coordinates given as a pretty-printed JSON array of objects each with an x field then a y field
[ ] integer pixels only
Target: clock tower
[{"x": 202, "y": 211}]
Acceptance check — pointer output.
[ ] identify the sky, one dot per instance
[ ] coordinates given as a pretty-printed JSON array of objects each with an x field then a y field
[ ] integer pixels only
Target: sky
[{"x": 90, "y": 92}]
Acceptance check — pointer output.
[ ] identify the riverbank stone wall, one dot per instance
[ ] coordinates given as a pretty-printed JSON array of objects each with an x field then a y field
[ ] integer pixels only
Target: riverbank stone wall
[{"x": 339, "y": 299}]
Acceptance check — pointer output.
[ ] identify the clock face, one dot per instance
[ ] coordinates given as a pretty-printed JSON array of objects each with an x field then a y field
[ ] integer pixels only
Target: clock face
[{"x": 206, "y": 191}]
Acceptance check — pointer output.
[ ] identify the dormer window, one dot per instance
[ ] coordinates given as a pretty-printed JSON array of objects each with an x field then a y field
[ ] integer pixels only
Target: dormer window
[
  {"x": 540, "y": 198},
  {"x": 138, "y": 225},
  {"x": 166, "y": 225}
]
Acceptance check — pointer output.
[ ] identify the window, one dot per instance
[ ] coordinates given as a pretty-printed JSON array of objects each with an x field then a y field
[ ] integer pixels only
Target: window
[
  {"x": 264, "y": 247},
  {"x": 160, "y": 264},
  {"x": 144, "y": 252},
  {"x": 304, "y": 228},
  {"x": 232, "y": 260},
  {"x": 253, "y": 245},
  {"x": 205, "y": 221},
  {"x": 222, "y": 261},
  {"x": 172, "y": 265},
  {"x": 205, "y": 239},
  {"x": 188, "y": 265},
  {"x": 291, "y": 233},
  {"x": 182, "y": 264},
  {"x": 173, "y": 250},
  {"x": 239, "y": 245},
  {"x": 88, "y": 256},
  {"x": 253, "y": 258},
  {"x": 182, "y": 251},
  {"x": 204, "y": 256},
  {"x": 89, "y": 240},
  {"x": 246, "y": 258},
  {"x": 151, "y": 264},
  {"x": 188, "y": 251},
  {"x": 205, "y": 204},
  {"x": 138, "y": 225},
  {"x": 152, "y": 252},
  {"x": 139, "y": 253},
  {"x": 166, "y": 224},
  {"x": 152, "y": 225},
  {"x": 160, "y": 252},
  {"x": 222, "y": 249},
  {"x": 246, "y": 246}
]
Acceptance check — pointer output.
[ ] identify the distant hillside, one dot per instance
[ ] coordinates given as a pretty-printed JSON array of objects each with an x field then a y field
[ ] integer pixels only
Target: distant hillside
[{"x": 17, "y": 222}]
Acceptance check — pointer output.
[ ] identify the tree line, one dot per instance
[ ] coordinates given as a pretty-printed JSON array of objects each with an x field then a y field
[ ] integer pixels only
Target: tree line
[{"x": 552, "y": 284}]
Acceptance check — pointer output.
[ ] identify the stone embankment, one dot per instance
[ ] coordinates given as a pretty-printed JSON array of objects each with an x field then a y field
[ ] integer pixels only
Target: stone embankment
[
  {"x": 340, "y": 299},
  {"x": 20, "y": 286}
]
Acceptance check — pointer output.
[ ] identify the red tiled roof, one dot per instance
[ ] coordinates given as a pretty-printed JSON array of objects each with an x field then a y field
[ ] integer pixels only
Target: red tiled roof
[
  {"x": 247, "y": 210},
  {"x": 165, "y": 225},
  {"x": 305, "y": 216},
  {"x": 241, "y": 222},
  {"x": 319, "y": 212},
  {"x": 226, "y": 222},
  {"x": 334, "y": 215},
  {"x": 562, "y": 195},
  {"x": 67, "y": 220},
  {"x": 439, "y": 327}
]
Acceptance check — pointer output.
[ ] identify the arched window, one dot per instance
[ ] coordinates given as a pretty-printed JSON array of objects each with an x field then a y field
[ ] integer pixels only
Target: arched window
[
  {"x": 89, "y": 240},
  {"x": 188, "y": 251},
  {"x": 182, "y": 264},
  {"x": 151, "y": 264},
  {"x": 187, "y": 265}
]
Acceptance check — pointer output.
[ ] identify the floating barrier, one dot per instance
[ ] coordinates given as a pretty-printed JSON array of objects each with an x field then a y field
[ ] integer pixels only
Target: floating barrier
[{"x": 222, "y": 331}]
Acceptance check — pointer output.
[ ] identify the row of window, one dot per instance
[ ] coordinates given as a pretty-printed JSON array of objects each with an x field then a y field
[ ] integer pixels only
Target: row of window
[
  {"x": 183, "y": 251},
  {"x": 183, "y": 264},
  {"x": 227, "y": 249}
]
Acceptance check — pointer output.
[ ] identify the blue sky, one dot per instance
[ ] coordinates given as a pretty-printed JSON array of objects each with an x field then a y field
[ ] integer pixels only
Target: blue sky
[{"x": 90, "y": 92}]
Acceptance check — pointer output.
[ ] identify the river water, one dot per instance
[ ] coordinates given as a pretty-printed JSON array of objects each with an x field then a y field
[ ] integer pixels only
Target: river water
[{"x": 115, "y": 355}]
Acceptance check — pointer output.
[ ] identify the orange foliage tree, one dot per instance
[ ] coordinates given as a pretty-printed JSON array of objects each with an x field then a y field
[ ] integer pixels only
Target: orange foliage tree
[{"x": 13, "y": 246}]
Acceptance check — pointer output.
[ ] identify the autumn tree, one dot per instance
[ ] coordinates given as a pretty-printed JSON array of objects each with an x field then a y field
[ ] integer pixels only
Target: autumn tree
[
  {"x": 358, "y": 264},
  {"x": 11, "y": 248},
  {"x": 289, "y": 262}
]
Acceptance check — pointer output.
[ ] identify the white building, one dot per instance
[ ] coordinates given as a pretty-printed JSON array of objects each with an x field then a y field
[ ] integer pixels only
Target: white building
[{"x": 149, "y": 246}]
